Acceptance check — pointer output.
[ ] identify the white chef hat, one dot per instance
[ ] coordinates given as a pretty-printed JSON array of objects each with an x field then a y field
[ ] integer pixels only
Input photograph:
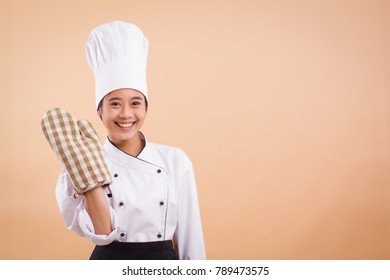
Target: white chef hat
[{"x": 117, "y": 53}]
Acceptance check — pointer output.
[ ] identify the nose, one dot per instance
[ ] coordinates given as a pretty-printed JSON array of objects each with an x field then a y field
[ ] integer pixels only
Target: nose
[{"x": 126, "y": 112}]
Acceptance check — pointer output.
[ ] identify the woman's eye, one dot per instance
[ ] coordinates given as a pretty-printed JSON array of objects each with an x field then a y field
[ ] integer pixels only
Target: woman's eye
[
  {"x": 115, "y": 104},
  {"x": 136, "y": 103}
]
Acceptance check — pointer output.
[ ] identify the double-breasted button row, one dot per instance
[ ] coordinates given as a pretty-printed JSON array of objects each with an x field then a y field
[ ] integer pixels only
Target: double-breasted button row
[
  {"x": 158, "y": 171},
  {"x": 159, "y": 235},
  {"x": 122, "y": 203}
]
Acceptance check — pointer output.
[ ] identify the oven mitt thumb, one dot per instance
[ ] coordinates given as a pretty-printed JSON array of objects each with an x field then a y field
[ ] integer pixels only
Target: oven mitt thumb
[{"x": 77, "y": 146}]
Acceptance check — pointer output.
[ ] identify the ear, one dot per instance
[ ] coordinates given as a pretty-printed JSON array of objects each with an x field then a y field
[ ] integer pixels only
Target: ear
[{"x": 99, "y": 112}]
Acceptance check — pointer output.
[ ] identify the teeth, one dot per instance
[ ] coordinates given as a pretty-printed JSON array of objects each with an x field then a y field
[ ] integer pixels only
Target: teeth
[{"x": 125, "y": 125}]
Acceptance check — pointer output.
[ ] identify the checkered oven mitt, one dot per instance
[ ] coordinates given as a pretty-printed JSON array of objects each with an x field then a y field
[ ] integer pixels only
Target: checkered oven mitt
[{"x": 77, "y": 146}]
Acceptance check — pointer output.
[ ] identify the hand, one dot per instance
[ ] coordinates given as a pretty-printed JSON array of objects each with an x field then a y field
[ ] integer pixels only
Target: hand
[{"x": 77, "y": 146}]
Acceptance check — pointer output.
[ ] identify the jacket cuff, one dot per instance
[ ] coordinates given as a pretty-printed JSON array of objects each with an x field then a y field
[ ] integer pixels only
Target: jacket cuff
[{"x": 86, "y": 226}]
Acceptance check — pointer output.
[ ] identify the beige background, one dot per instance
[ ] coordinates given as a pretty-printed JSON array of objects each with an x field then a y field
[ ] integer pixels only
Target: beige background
[{"x": 283, "y": 106}]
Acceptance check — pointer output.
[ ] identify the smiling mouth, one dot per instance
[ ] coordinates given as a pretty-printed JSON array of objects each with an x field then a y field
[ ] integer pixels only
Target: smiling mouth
[{"x": 125, "y": 125}]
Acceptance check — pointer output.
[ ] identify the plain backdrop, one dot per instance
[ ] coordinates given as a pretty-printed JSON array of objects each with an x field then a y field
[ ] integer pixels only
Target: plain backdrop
[{"x": 283, "y": 107}]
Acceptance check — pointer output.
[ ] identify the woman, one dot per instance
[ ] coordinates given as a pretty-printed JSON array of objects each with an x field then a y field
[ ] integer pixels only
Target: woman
[{"x": 150, "y": 208}]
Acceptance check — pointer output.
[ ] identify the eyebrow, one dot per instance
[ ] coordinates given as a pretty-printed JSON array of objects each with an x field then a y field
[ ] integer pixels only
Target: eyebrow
[{"x": 118, "y": 98}]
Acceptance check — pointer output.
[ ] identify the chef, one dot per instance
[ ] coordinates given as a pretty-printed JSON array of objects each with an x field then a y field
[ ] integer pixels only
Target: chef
[{"x": 150, "y": 208}]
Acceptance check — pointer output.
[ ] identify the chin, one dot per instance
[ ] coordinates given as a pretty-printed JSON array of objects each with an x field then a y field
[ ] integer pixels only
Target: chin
[{"x": 125, "y": 138}]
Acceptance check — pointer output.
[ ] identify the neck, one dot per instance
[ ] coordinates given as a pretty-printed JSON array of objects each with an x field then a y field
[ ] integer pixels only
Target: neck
[{"x": 132, "y": 147}]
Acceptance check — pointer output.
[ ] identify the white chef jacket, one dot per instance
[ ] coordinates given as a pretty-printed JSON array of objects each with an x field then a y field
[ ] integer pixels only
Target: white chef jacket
[{"x": 153, "y": 197}]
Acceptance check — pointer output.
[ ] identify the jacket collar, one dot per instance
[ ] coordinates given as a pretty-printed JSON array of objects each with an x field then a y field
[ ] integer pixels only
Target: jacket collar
[{"x": 145, "y": 155}]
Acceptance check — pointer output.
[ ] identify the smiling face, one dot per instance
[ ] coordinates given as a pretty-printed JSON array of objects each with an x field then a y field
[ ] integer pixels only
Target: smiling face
[{"x": 123, "y": 112}]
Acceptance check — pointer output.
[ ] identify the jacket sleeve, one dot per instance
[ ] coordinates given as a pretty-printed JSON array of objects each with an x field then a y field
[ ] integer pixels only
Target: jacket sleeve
[
  {"x": 188, "y": 236},
  {"x": 76, "y": 216}
]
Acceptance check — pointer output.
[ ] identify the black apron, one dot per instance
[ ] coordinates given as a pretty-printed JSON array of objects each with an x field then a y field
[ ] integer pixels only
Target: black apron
[{"x": 157, "y": 250}]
